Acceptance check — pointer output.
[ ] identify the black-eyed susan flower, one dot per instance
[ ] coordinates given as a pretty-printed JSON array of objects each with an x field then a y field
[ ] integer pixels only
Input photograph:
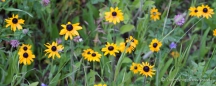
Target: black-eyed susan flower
[
  {"x": 194, "y": 12},
  {"x": 26, "y": 57},
  {"x": 70, "y": 30},
  {"x": 214, "y": 32},
  {"x": 87, "y": 53},
  {"x": 132, "y": 40},
  {"x": 53, "y": 49},
  {"x": 95, "y": 56},
  {"x": 25, "y": 47},
  {"x": 100, "y": 84},
  {"x": 115, "y": 15},
  {"x": 124, "y": 45},
  {"x": 147, "y": 69},
  {"x": 110, "y": 49},
  {"x": 135, "y": 68},
  {"x": 205, "y": 11},
  {"x": 14, "y": 22},
  {"x": 174, "y": 54},
  {"x": 155, "y": 45},
  {"x": 155, "y": 15}
]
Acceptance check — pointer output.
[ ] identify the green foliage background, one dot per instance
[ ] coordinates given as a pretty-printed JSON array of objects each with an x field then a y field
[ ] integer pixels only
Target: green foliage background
[{"x": 196, "y": 47}]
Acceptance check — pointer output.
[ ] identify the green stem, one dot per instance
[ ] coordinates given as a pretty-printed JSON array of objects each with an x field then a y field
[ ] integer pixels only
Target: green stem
[
  {"x": 118, "y": 66},
  {"x": 158, "y": 71},
  {"x": 144, "y": 81},
  {"x": 72, "y": 62},
  {"x": 112, "y": 68},
  {"x": 166, "y": 17}
]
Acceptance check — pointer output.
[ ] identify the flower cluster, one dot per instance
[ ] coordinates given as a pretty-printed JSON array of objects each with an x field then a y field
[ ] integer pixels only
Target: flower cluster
[
  {"x": 204, "y": 11},
  {"x": 91, "y": 55},
  {"x": 144, "y": 69},
  {"x": 25, "y": 54},
  {"x": 129, "y": 45}
]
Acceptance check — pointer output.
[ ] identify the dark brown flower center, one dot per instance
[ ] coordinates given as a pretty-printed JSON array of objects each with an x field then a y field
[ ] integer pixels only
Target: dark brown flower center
[
  {"x": 114, "y": 14},
  {"x": 196, "y": 11},
  {"x": 69, "y": 27},
  {"x": 25, "y": 48},
  {"x": 93, "y": 54},
  {"x": 15, "y": 20},
  {"x": 135, "y": 67},
  {"x": 146, "y": 68},
  {"x": 132, "y": 40},
  {"x": 110, "y": 48},
  {"x": 205, "y": 10},
  {"x": 154, "y": 13},
  {"x": 155, "y": 45},
  {"x": 125, "y": 44},
  {"x": 25, "y": 55},
  {"x": 53, "y": 48},
  {"x": 88, "y": 52}
]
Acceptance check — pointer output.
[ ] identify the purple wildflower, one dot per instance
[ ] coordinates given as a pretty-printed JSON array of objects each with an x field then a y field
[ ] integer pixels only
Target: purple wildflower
[
  {"x": 59, "y": 41},
  {"x": 45, "y": 2},
  {"x": 77, "y": 39},
  {"x": 42, "y": 84},
  {"x": 179, "y": 19},
  {"x": 14, "y": 43},
  {"x": 25, "y": 31},
  {"x": 173, "y": 45}
]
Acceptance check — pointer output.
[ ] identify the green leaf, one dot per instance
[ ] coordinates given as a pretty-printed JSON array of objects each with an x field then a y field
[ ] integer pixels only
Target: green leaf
[
  {"x": 14, "y": 9},
  {"x": 127, "y": 60},
  {"x": 34, "y": 84},
  {"x": 148, "y": 4},
  {"x": 126, "y": 28}
]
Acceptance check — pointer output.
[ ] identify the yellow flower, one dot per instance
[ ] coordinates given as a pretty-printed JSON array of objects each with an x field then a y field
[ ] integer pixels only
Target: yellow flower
[
  {"x": 155, "y": 45},
  {"x": 205, "y": 11},
  {"x": 87, "y": 53},
  {"x": 135, "y": 68},
  {"x": 174, "y": 54},
  {"x": 70, "y": 30},
  {"x": 214, "y": 32},
  {"x": 100, "y": 85},
  {"x": 53, "y": 49},
  {"x": 194, "y": 12},
  {"x": 26, "y": 57},
  {"x": 3, "y": 0},
  {"x": 94, "y": 56},
  {"x": 110, "y": 48},
  {"x": 14, "y": 22},
  {"x": 132, "y": 40},
  {"x": 115, "y": 15},
  {"x": 146, "y": 69},
  {"x": 123, "y": 46},
  {"x": 25, "y": 47},
  {"x": 155, "y": 15}
]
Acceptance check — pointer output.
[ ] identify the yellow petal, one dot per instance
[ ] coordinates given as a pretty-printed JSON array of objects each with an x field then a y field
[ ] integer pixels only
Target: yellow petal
[{"x": 62, "y": 32}]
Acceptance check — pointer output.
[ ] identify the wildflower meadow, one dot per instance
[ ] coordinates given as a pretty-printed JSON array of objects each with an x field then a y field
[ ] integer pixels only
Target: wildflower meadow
[{"x": 107, "y": 43}]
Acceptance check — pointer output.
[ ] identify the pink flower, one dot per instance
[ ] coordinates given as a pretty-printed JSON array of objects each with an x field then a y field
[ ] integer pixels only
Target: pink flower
[
  {"x": 14, "y": 43},
  {"x": 45, "y": 2},
  {"x": 179, "y": 19}
]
